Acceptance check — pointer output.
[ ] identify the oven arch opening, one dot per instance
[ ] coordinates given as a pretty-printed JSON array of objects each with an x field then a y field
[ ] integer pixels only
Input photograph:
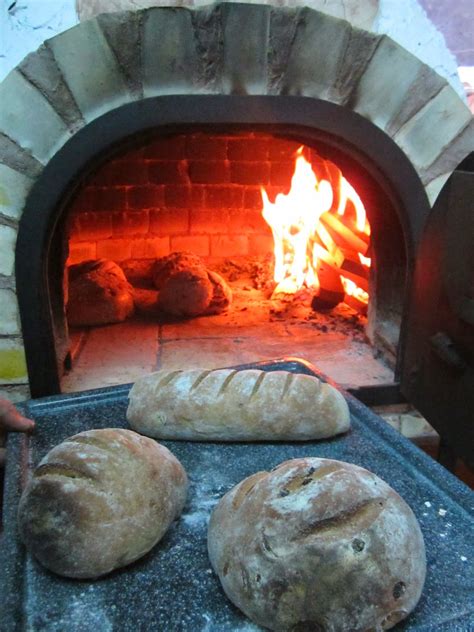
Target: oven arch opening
[{"x": 347, "y": 137}]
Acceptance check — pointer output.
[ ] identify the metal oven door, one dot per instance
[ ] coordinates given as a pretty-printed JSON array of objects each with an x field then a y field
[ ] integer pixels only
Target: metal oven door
[{"x": 438, "y": 350}]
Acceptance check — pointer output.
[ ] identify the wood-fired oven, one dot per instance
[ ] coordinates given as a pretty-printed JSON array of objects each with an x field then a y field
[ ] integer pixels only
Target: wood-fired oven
[{"x": 154, "y": 131}]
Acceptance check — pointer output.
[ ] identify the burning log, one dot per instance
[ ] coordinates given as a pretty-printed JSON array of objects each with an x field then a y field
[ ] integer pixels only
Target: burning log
[
  {"x": 343, "y": 235},
  {"x": 321, "y": 223},
  {"x": 331, "y": 291}
]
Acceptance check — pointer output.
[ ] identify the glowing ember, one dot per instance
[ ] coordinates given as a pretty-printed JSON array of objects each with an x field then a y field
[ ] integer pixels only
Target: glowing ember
[{"x": 319, "y": 223}]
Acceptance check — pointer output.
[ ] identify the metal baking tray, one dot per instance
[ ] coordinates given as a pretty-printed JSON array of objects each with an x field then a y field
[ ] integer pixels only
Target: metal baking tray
[{"x": 173, "y": 587}]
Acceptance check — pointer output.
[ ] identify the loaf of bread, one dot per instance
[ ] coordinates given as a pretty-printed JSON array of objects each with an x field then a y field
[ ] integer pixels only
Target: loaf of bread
[
  {"x": 230, "y": 405},
  {"x": 100, "y": 500},
  {"x": 318, "y": 544}
]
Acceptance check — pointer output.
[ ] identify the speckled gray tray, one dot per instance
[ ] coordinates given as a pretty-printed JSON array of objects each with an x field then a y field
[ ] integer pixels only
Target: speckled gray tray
[{"x": 173, "y": 588}]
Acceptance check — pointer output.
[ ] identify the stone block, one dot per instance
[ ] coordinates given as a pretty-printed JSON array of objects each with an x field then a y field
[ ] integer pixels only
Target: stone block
[
  {"x": 229, "y": 245},
  {"x": 387, "y": 84},
  {"x": 261, "y": 244},
  {"x": 281, "y": 173},
  {"x": 250, "y": 172},
  {"x": 253, "y": 198},
  {"x": 124, "y": 172},
  {"x": 37, "y": 128},
  {"x": 84, "y": 200},
  {"x": 177, "y": 196},
  {"x": 283, "y": 25},
  {"x": 204, "y": 147},
  {"x": 209, "y": 171},
  {"x": 114, "y": 249},
  {"x": 130, "y": 223},
  {"x": 7, "y": 249},
  {"x": 145, "y": 197},
  {"x": 210, "y": 221},
  {"x": 41, "y": 69},
  {"x": 224, "y": 197},
  {"x": 426, "y": 86},
  {"x": 207, "y": 23},
  {"x": 245, "y": 31},
  {"x": 451, "y": 156},
  {"x": 248, "y": 148},
  {"x": 164, "y": 221},
  {"x": 435, "y": 186},
  {"x": 166, "y": 148},
  {"x": 199, "y": 244},
  {"x": 167, "y": 172},
  {"x": 81, "y": 251},
  {"x": 283, "y": 150},
  {"x": 18, "y": 158},
  {"x": 425, "y": 136},
  {"x": 92, "y": 226},
  {"x": 12, "y": 361},
  {"x": 170, "y": 60},
  {"x": 316, "y": 55},
  {"x": 10, "y": 319},
  {"x": 150, "y": 248},
  {"x": 122, "y": 31},
  {"x": 109, "y": 199},
  {"x": 90, "y": 69},
  {"x": 361, "y": 46},
  {"x": 248, "y": 221},
  {"x": 14, "y": 188}
]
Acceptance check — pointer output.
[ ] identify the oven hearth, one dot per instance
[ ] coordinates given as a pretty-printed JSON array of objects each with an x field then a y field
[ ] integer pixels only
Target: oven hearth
[
  {"x": 204, "y": 192},
  {"x": 286, "y": 72}
]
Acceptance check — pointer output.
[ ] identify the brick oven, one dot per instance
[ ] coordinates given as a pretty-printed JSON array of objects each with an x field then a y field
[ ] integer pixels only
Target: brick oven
[{"x": 152, "y": 131}]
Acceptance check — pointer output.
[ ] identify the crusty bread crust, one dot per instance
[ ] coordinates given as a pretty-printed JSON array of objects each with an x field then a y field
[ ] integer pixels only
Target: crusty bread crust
[
  {"x": 231, "y": 405},
  {"x": 99, "y": 501},
  {"x": 318, "y": 544}
]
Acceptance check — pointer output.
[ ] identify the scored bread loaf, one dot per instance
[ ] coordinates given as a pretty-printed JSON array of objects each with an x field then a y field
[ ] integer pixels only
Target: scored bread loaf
[
  {"x": 236, "y": 405},
  {"x": 318, "y": 544},
  {"x": 99, "y": 501}
]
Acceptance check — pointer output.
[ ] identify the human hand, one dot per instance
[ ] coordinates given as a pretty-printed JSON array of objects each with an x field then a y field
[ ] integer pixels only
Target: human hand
[{"x": 11, "y": 419}]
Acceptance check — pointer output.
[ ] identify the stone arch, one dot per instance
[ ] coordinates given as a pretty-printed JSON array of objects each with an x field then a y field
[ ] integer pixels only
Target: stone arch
[{"x": 228, "y": 49}]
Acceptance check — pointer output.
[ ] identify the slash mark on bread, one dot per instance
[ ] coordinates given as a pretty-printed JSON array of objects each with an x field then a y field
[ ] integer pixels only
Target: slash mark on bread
[
  {"x": 58, "y": 469},
  {"x": 359, "y": 516},
  {"x": 168, "y": 378},
  {"x": 226, "y": 382},
  {"x": 266, "y": 546},
  {"x": 98, "y": 443},
  {"x": 288, "y": 382},
  {"x": 257, "y": 384},
  {"x": 200, "y": 379}
]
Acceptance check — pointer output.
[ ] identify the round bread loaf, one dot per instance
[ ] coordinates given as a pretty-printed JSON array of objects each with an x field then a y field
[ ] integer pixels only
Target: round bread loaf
[
  {"x": 320, "y": 545},
  {"x": 99, "y": 501}
]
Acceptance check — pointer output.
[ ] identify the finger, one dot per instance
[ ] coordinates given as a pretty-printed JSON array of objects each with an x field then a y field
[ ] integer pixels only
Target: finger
[{"x": 16, "y": 422}]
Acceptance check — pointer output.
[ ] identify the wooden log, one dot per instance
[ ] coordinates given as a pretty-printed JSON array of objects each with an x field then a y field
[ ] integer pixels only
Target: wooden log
[
  {"x": 331, "y": 291},
  {"x": 356, "y": 303},
  {"x": 325, "y": 239},
  {"x": 350, "y": 268},
  {"x": 342, "y": 235}
]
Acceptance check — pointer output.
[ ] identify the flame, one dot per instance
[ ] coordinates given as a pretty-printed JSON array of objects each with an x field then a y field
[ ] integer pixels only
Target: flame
[{"x": 303, "y": 235}]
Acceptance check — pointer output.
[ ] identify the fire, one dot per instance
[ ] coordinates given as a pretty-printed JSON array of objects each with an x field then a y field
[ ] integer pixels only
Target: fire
[{"x": 319, "y": 223}]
